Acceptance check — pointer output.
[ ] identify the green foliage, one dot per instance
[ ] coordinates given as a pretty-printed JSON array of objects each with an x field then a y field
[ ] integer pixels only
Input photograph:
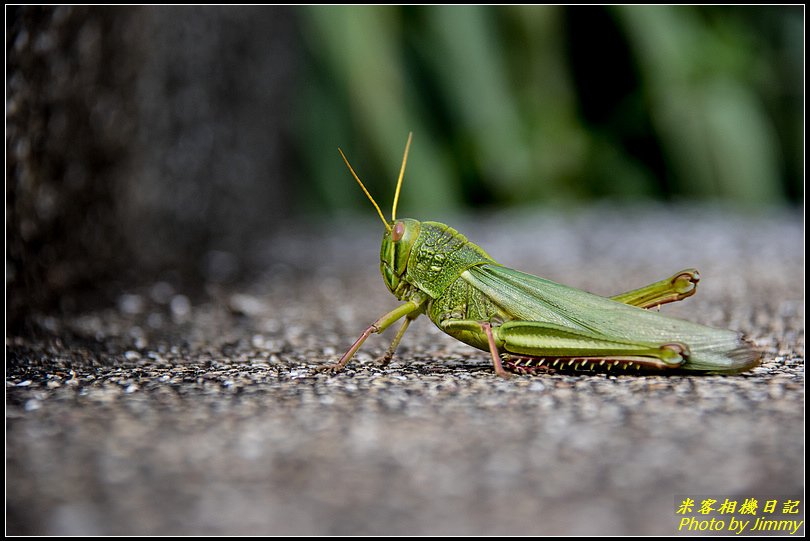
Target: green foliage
[{"x": 522, "y": 105}]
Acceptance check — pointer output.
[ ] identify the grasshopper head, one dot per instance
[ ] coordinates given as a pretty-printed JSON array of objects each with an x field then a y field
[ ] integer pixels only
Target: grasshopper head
[{"x": 396, "y": 249}]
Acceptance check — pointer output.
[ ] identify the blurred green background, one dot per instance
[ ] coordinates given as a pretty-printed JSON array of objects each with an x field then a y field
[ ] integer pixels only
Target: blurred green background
[
  {"x": 526, "y": 105},
  {"x": 180, "y": 143}
]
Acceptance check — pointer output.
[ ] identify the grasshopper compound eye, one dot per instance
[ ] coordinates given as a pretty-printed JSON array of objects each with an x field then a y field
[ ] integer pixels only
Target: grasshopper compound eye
[{"x": 398, "y": 231}]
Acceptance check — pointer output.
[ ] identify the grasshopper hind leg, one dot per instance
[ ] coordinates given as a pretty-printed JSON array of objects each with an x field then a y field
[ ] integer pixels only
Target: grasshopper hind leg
[
  {"x": 531, "y": 344},
  {"x": 523, "y": 364},
  {"x": 677, "y": 287}
]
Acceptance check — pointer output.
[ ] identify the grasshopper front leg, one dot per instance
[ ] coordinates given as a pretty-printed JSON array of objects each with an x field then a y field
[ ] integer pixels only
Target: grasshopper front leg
[
  {"x": 675, "y": 288},
  {"x": 410, "y": 309}
]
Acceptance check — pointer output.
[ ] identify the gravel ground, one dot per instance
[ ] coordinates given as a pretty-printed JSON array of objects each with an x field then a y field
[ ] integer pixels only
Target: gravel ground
[{"x": 172, "y": 414}]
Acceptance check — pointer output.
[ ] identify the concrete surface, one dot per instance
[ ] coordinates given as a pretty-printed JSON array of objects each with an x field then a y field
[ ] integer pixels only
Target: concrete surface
[{"x": 165, "y": 415}]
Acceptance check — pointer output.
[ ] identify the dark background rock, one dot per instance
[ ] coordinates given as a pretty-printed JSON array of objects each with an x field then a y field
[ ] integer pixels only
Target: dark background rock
[
  {"x": 70, "y": 119},
  {"x": 142, "y": 143}
]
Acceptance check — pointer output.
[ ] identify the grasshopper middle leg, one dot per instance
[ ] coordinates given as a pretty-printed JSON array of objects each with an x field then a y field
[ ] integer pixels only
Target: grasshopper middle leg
[{"x": 389, "y": 354}]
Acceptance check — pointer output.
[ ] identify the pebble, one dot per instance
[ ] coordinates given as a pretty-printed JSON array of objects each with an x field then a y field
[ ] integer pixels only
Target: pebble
[
  {"x": 180, "y": 306},
  {"x": 32, "y": 405},
  {"x": 131, "y": 304},
  {"x": 161, "y": 292}
]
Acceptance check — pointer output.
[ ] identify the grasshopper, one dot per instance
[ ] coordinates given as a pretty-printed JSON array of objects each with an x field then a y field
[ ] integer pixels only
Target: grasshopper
[{"x": 529, "y": 324}]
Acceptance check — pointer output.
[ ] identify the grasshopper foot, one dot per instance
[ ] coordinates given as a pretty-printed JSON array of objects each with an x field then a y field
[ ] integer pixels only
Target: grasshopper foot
[
  {"x": 383, "y": 361},
  {"x": 502, "y": 373},
  {"x": 332, "y": 368}
]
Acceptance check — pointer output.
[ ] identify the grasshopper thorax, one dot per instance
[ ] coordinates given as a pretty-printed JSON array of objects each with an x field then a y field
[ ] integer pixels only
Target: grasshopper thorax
[{"x": 396, "y": 249}]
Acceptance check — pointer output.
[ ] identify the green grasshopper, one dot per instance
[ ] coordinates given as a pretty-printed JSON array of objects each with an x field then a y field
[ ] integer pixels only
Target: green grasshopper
[{"x": 529, "y": 324}]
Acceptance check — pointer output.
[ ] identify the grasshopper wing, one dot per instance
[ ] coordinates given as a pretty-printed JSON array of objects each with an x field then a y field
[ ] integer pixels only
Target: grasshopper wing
[{"x": 525, "y": 297}]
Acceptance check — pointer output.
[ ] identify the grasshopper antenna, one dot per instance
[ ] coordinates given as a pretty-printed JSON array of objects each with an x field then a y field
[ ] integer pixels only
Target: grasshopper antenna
[
  {"x": 401, "y": 176},
  {"x": 365, "y": 191}
]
